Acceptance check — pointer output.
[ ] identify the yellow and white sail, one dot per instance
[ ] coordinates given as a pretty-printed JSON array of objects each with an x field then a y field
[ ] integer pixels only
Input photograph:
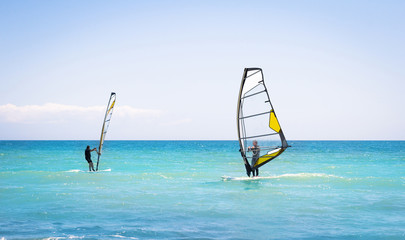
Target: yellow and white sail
[
  {"x": 106, "y": 124},
  {"x": 257, "y": 120}
]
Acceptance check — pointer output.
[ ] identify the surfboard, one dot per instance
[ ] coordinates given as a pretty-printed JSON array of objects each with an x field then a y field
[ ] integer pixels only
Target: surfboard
[
  {"x": 78, "y": 170},
  {"x": 228, "y": 178}
]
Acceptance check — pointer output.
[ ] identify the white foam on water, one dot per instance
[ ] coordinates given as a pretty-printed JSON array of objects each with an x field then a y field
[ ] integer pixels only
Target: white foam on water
[
  {"x": 105, "y": 170},
  {"x": 163, "y": 176},
  {"x": 69, "y": 237},
  {"x": 120, "y": 236},
  {"x": 287, "y": 175},
  {"x": 74, "y": 170},
  {"x": 75, "y": 237},
  {"x": 306, "y": 175}
]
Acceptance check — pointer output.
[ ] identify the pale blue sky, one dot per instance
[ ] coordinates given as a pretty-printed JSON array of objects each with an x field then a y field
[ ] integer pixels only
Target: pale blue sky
[{"x": 334, "y": 69}]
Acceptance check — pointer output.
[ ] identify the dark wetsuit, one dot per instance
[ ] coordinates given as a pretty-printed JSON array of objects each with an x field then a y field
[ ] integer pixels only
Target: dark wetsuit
[
  {"x": 87, "y": 154},
  {"x": 255, "y": 157}
]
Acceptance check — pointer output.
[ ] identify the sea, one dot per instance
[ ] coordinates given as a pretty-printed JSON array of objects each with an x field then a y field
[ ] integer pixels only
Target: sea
[{"x": 175, "y": 190}]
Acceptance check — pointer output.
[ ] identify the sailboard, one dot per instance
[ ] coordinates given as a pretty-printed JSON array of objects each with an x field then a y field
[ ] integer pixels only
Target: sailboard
[
  {"x": 257, "y": 121},
  {"x": 228, "y": 178},
  {"x": 106, "y": 124}
]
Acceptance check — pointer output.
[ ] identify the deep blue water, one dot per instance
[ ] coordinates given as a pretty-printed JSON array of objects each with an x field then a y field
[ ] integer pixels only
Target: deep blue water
[{"x": 174, "y": 190}]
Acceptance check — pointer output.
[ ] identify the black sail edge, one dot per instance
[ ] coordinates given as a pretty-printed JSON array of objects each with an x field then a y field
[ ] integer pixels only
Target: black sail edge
[{"x": 241, "y": 145}]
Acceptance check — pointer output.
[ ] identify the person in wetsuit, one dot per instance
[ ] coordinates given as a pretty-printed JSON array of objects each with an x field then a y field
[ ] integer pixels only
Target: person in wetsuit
[
  {"x": 256, "y": 154},
  {"x": 87, "y": 154}
]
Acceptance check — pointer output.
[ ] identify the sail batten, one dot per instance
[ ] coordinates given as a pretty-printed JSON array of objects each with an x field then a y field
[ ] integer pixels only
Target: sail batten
[
  {"x": 257, "y": 121},
  {"x": 251, "y": 95},
  {"x": 254, "y": 115},
  {"x": 106, "y": 123},
  {"x": 257, "y": 136},
  {"x": 254, "y": 73}
]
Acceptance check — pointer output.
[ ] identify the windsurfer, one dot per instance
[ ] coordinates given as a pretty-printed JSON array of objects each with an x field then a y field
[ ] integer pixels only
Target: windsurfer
[
  {"x": 256, "y": 154},
  {"x": 87, "y": 154}
]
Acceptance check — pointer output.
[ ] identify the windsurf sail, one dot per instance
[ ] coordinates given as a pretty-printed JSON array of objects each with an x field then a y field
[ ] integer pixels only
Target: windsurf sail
[
  {"x": 106, "y": 123},
  {"x": 257, "y": 121}
]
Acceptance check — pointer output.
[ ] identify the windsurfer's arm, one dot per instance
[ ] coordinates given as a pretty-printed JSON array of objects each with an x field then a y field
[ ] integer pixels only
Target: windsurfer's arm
[{"x": 95, "y": 149}]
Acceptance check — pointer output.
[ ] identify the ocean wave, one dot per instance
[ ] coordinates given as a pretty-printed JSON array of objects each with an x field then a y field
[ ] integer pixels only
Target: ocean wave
[
  {"x": 287, "y": 175},
  {"x": 11, "y": 187},
  {"x": 165, "y": 177},
  {"x": 120, "y": 236},
  {"x": 308, "y": 175},
  {"x": 68, "y": 237},
  {"x": 75, "y": 170}
]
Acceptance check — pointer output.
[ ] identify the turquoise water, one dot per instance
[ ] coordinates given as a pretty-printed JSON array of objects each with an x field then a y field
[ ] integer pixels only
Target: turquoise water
[{"x": 174, "y": 190}]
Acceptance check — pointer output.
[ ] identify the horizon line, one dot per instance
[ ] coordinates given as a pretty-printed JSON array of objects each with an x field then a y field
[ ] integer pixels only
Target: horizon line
[{"x": 354, "y": 140}]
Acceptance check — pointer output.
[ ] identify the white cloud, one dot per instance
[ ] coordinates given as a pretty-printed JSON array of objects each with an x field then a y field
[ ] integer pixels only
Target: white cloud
[
  {"x": 177, "y": 122},
  {"x": 128, "y": 111},
  {"x": 56, "y": 113}
]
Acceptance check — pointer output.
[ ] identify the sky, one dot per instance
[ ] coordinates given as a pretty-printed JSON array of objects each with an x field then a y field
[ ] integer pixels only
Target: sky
[{"x": 334, "y": 69}]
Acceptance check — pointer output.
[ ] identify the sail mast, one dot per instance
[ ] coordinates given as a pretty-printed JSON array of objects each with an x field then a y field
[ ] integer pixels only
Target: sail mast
[{"x": 239, "y": 114}]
